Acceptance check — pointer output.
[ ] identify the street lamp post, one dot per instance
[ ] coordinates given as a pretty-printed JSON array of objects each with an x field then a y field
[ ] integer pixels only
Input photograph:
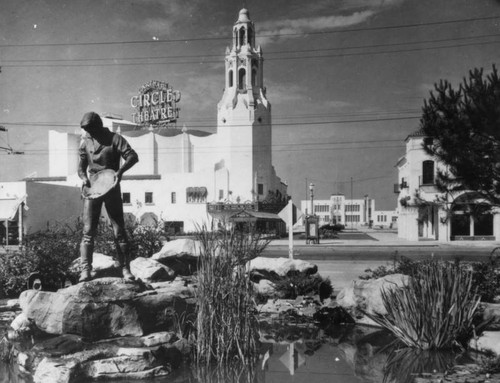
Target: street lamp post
[{"x": 311, "y": 190}]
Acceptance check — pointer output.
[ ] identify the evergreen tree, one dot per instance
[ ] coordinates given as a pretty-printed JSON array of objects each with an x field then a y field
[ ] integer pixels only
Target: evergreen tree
[{"x": 462, "y": 131}]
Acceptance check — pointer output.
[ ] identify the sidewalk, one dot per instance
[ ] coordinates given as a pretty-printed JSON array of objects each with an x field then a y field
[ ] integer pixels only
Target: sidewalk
[{"x": 379, "y": 238}]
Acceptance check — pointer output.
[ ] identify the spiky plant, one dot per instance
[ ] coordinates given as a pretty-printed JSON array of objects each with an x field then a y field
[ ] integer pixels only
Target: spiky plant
[
  {"x": 434, "y": 309},
  {"x": 226, "y": 323}
]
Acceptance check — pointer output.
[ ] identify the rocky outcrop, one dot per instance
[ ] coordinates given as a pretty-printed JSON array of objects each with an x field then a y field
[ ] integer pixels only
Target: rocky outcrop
[
  {"x": 366, "y": 296},
  {"x": 488, "y": 341},
  {"x": 106, "y": 308},
  {"x": 107, "y": 328},
  {"x": 180, "y": 255},
  {"x": 149, "y": 270},
  {"x": 275, "y": 268}
]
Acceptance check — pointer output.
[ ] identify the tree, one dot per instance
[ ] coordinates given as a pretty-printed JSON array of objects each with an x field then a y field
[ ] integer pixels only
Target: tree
[{"x": 462, "y": 131}]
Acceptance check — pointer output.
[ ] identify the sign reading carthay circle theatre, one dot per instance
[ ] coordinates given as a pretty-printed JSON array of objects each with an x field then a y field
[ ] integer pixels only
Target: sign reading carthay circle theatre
[{"x": 156, "y": 104}]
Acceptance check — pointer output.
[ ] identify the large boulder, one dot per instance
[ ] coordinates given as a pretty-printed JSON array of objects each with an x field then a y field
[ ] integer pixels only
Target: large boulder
[
  {"x": 276, "y": 268},
  {"x": 107, "y": 307},
  {"x": 150, "y": 270},
  {"x": 487, "y": 341},
  {"x": 366, "y": 296},
  {"x": 180, "y": 255}
]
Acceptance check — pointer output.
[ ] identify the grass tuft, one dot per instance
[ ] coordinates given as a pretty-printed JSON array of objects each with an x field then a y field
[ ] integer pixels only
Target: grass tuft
[
  {"x": 434, "y": 310},
  {"x": 226, "y": 319}
]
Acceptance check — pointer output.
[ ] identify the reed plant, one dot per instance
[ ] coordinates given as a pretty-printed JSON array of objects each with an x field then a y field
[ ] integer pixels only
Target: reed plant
[
  {"x": 226, "y": 322},
  {"x": 434, "y": 309}
]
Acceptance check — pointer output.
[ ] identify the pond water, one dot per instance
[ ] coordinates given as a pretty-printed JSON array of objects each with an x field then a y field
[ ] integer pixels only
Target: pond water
[{"x": 308, "y": 354}]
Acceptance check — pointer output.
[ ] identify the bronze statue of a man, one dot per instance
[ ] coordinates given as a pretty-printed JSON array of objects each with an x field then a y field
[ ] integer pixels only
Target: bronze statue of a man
[{"x": 102, "y": 149}]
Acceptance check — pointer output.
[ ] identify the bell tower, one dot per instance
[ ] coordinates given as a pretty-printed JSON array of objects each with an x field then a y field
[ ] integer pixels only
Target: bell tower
[{"x": 244, "y": 115}]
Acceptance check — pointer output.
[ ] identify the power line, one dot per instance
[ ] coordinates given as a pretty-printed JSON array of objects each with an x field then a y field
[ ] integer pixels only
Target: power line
[
  {"x": 202, "y": 62},
  {"x": 214, "y": 38},
  {"x": 352, "y": 121},
  {"x": 268, "y": 53}
]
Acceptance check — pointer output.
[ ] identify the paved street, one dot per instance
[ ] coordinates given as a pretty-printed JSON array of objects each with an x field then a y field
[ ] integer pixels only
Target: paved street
[{"x": 345, "y": 258}]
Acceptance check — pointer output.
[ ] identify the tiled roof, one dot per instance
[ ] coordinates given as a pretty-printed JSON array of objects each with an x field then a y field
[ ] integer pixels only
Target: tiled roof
[{"x": 417, "y": 133}]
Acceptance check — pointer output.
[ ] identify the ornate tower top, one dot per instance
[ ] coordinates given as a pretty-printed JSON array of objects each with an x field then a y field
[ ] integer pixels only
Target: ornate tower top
[
  {"x": 244, "y": 16},
  {"x": 244, "y": 65}
]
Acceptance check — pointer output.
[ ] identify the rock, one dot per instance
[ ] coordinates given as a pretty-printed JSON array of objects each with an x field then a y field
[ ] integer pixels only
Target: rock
[
  {"x": 491, "y": 312},
  {"x": 158, "y": 338},
  {"x": 21, "y": 323},
  {"x": 180, "y": 255},
  {"x": 55, "y": 371},
  {"x": 265, "y": 287},
  {"x": 488, "y": 340},
  {"x": 274, "y": 268},
  {"x": 365, "y": 295},
  {"x": 150, "y": 270},
  {"x": 106, "y": 308},
  {"x": 99, "y": 262}
]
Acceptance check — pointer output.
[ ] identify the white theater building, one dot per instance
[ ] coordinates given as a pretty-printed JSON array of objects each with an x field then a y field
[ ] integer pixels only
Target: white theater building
[{"x": 187, "y": 178}]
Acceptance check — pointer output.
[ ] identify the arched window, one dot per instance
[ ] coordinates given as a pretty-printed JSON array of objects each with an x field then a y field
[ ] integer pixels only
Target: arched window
[
  {"x": 428, "y": 172},
  {"x": 242, "y": 78},
  {"x": 242, "y": 36},
  {"x": 230, "y": 79},
  {"x": 254, "y": 76}
]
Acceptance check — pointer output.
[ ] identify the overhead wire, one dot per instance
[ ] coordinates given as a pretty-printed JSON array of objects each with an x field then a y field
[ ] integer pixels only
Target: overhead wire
[
  {"x": 209, "y": 38},
  {"x": 268, "y": 53}
]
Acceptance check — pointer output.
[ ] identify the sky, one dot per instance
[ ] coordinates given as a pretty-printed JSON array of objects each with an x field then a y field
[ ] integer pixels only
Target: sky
[{"x": 346, "y": 78}]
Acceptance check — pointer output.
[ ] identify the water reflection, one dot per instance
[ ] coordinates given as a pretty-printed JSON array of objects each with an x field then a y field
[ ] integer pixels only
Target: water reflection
[{"x": 308, "y": 354}]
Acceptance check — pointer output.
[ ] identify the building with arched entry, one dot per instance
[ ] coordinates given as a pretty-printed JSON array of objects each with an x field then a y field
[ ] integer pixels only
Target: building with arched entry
[
  {"x": 187, "y": 177},
  {"x": 424, "y": 213}
]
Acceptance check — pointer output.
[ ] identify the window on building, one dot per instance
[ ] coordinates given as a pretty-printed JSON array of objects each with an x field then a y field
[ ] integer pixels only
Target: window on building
[
  {"x": 148, "y": 197},
  {"x": 230, "y": 79},
  {"x": 242, "y": 78},
  {"x": 196, "y": 195},
  {"x": 242, "y": 36},
  {"x": 173, "y": 197},
  {"x": 254, "y": 76},
  {"x": 428, "y": 172},
  {"x": 221, "y": 194},
  {"x": 260, "y": 189},
  {"x": 126, "y": 197}
]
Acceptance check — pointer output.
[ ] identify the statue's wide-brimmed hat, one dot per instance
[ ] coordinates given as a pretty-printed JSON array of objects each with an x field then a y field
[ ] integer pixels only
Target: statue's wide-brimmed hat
[
  {"x": 91, "y": 120},
  {"x": 101, "y": 184}
]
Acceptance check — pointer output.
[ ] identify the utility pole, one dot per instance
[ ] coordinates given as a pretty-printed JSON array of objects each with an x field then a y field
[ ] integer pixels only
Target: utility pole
[{"x": 306, "y": 195}]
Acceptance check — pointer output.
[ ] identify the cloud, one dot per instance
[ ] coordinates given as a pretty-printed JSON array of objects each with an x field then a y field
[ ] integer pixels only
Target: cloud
[{"x": 309, "y": 24}]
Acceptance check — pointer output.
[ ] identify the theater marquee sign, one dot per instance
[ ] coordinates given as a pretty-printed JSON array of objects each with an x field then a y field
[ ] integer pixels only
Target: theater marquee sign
[{"x": 156, "y": 104}]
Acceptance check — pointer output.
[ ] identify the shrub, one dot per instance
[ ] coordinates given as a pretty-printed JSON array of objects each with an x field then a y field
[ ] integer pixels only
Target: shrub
[
  {"x": 485, "y": 277},
  {"x": 226, "y": 321},
  {"x": 144, "y": 240},
  {"x": 434, "y": 310},
  {"x": 52, "y": 252},
  {"x": 290, "y": 287},
  {"x": 487, "y": 280},
  {"x": 402, "y": 266}
]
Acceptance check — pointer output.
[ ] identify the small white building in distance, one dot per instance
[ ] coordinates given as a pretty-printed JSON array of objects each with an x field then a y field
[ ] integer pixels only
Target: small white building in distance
[
  {"x": 348, "y": 212},
  {"x": 189, "y": 177}
]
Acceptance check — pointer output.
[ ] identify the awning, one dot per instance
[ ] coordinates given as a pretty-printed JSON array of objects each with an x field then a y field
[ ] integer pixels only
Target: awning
[{"x": 9, "y": 207}]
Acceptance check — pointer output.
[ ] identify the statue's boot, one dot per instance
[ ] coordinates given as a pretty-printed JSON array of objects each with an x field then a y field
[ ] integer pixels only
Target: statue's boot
[
  {"x": 124, "y": 261},
  {"x": 86, "y": 255}
]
